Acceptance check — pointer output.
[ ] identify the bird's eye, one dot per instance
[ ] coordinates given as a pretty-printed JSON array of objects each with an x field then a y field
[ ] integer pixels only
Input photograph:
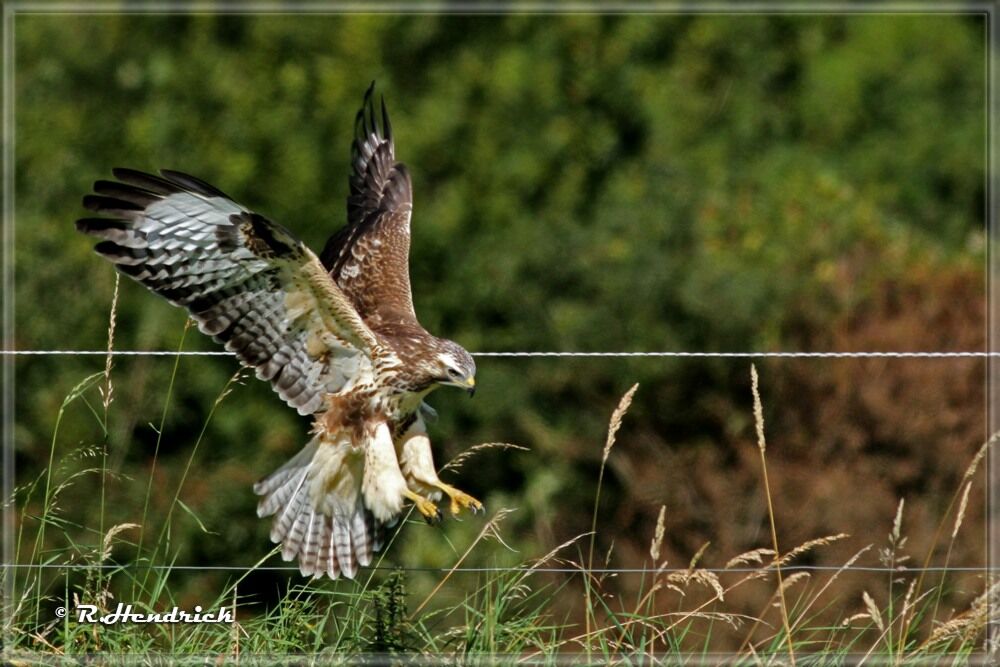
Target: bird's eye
[{"x": 453, "y": 374}]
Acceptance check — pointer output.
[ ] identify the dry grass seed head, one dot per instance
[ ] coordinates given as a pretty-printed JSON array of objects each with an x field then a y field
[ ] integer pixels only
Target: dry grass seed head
[
  {"x": 829, "y": 582},
  {"x": 538, "y": 563},
  {"x": 793, "y": 579},
  {"x": 911, "y": 606},
  {"x": 811, "y": 544},
  {"x": 616, "y": 420},
  {"x": 237, "y": 378},
  {"x": 974, "y": 464},
  {"x": 758, "y": 409},
  {"x": 856, "y": 617},
  {"x": 890, "y": 555},
  {"x": 109, "y": 538},
  {"x": 709, "y": 580},
  {"x": 733, "y": 620},
  {"x": 873, "y": 612},
  {"x": 697, "y": 556},
  {"x": 674, "y": 587},
  {"x": 897, "y": 522},
  {"x": 678, "y": 580},
  {"x": 953, "y": 629},
  {"x": 492, "y": 528},
  {"x": 654, "y": 546},
  {"x": 961, "y": 509},
  {"x": 972, "y": 622},
  {"x": 462, "y": 457},
  {"x": 108, "y": 390},
  {"x": 755, "y": 556}
]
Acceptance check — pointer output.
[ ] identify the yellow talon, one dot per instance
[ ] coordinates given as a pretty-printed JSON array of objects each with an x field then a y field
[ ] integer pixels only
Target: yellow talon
[
  {"x": 460, "y": 499},
  {"x": 427, "y": 508}
]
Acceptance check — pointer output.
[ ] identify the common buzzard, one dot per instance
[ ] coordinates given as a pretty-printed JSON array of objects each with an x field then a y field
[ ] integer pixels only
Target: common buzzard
[{"x": 335, "y": 335}]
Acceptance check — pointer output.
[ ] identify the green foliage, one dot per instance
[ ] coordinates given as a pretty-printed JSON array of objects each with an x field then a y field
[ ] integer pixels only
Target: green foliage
[
  {"x": 390, "y": 631},
  {"x": 581, "y": 182},
  {"x": 505, "y": 613}
]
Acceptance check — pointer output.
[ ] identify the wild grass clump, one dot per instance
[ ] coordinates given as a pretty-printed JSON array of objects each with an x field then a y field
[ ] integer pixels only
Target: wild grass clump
[
  {"x": 684, "y": 611},
  {"x": 678, "y": 611}
]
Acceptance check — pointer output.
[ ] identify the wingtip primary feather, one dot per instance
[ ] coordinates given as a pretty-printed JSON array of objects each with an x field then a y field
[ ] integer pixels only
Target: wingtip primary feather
[
  {"x": 100, "y": 226},
  {"x": 192, "y": 184},
  {"x": 386, "y": 126},
  {"x": 109, "y": 205},
  {"x": 372, "y": 121},
  {"x": 141, "y": 179}
]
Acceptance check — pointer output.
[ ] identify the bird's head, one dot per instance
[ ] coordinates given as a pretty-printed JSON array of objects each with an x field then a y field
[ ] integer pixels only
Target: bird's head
[{"x": 456, "y": 367}]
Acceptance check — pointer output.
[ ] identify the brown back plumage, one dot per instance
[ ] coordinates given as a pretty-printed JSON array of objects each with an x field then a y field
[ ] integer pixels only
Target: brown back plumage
[{"x": 369, "y": 257}]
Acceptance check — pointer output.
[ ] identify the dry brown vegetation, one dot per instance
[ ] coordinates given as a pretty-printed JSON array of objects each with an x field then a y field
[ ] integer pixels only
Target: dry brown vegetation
[
  {"x": 760, "y": 603},
  {"x": 847, "y": 441}
]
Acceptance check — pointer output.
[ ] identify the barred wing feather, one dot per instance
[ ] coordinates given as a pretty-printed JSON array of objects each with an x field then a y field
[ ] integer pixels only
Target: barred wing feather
[
  {"x": 369, "y": 257},
  {"x": 245, "y": 280}
]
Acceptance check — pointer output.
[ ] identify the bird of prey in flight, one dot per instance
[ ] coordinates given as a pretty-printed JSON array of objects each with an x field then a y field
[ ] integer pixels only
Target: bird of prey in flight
[{"x": 335, "y": 335}]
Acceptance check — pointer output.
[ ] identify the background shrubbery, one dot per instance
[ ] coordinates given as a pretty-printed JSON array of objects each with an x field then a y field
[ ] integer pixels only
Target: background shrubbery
[{"x": 581, "y": 183}]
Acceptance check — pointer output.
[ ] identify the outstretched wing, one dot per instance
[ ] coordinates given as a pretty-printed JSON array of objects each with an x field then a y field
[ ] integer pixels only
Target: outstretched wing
[
  {"x": 369, "y": 257},
  {"x": 245, "y": 280}
]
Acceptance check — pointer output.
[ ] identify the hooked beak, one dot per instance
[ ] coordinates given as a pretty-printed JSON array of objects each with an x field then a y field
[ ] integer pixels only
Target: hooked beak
[{"x": 470, "y": 386}]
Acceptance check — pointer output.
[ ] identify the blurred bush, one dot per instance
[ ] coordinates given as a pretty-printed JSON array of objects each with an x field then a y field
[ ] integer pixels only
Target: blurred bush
[{"x": 588, "y": 183}]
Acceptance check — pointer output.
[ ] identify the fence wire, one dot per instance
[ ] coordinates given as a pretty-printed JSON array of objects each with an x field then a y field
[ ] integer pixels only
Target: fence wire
[
  {"x": 892, "y": 354},
  {"x": 883, "y": 354},
  {"x": 540, "y": 570}
]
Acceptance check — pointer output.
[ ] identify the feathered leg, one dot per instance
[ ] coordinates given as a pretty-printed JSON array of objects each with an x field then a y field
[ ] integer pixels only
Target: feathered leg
[
  {"x": 417, "y": 463},
  {"x": 385, "y": 487}
]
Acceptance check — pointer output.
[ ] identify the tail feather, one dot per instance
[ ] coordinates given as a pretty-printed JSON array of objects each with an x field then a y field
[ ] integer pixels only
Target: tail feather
[
  {"x": 307, "y": 560},
  {"x": 320, "y": 518},
  {"x": 359, "y": 530},
  {"x": 376, "y": 530},
  {"x": 326, "y": 559},
  {"x": 344, "y": 549},
  {"x": 292, "y": 544},
  {"x": 290, "y": 508},
  {"x": 275, "y": 488}
]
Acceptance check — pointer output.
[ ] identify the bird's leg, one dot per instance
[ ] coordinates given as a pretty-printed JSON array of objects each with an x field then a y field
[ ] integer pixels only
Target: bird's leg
[
  {"x": 383, "y": 485},
  {"x": 417, "y": 464},
  {"x": 459, "y": 499},
  {"x": 426, "y": 507}
]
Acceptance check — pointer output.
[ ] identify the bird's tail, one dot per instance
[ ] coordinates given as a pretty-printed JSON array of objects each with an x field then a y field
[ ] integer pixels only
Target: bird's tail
[{"x": 319, "y": 515}]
